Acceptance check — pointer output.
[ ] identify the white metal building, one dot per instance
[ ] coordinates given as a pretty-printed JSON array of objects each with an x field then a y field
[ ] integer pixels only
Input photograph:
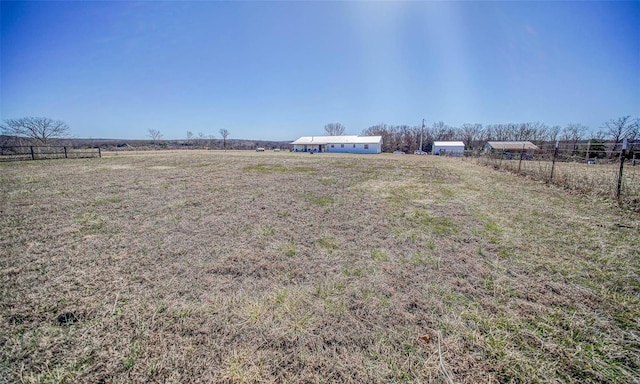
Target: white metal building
[
  {"x": 517, "y": 146},
  {"x": 451, "y": 148},
  {"x": 338, "y": 144}
]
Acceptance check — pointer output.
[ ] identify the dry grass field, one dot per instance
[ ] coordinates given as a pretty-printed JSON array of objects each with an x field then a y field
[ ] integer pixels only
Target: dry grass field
[
  {"x": 252, "y": 267},
  {"x": 599, "y": 180}
]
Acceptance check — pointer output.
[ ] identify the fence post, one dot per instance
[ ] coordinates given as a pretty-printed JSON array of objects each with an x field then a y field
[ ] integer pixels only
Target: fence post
[
  {"x": 65, "y": 152},
  {"x": 520, "y": 162},
  {"x": 99, "y": 153},
  {"x": 553, "y": 164},
  {"x": 588, "y": 149},
  {"x": 501, "y": 156},
  {"x": 622, "y": 155},
  {"x": 33, "y": 155}
]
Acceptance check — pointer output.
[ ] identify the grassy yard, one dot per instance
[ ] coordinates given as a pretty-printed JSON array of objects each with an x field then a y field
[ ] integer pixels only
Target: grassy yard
[
  {"x": 277, "y": 267},
  {"x": 599, "y": 180}
]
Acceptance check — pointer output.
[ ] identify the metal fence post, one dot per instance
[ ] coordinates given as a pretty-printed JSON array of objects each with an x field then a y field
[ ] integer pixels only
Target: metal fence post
[
  {"x": 33, "y": 155},
  {"x": 65, "y": 152},
  {"x": 622, "y": 155},
  {"x": 553, "y": 164}
]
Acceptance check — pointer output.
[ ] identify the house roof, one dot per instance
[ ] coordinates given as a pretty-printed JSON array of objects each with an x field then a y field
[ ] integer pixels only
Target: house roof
[
  {"x": 448, "y": 144},
  {"x": 316, "y": 140},
  {"x": 513, "y": 145}
]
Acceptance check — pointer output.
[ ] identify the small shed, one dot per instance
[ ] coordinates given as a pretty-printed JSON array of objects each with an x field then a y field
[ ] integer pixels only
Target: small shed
[
  {"x": 510, "y": 146},
  {"x": 449, "y": 148}
]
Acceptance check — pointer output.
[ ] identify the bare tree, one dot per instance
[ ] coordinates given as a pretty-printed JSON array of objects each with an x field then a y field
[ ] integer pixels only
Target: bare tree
[
  {"x": 553, "y": 133},
  {"x": 470, "y": 134},
  {"x": 155, "y": 135},
  {"x": 573, "y": 133},
  {"x": 202, "y": 139},
  {"x": 189, "y": 138},
  {"x": 224, "y": 133},
  {"x": 620, "y": 129},
  {"x": 38, "y": 129},
  {"x": 334, "y": 129}
]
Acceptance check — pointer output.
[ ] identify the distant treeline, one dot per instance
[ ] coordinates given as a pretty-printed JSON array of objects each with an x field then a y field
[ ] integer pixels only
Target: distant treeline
[
  {"x": 407, "y": 138},
  {"x": 124, "y": 144}
]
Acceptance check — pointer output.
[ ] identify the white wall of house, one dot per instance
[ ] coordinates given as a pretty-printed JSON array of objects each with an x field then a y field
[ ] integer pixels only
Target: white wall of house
[{"x": 354, "y": 148}]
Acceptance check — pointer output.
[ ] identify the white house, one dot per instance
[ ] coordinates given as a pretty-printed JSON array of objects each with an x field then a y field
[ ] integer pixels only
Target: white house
[
  {"x": 451, "y": 148},
  {"x": 338, "y": 144}
]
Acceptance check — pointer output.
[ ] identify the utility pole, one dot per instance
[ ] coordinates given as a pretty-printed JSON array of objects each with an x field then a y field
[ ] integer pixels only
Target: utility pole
[{"x": 421, "y": 133}]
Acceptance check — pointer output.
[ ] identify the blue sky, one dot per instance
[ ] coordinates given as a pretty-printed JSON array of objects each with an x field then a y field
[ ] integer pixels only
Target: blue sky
[{"x": 279, "y": 70}]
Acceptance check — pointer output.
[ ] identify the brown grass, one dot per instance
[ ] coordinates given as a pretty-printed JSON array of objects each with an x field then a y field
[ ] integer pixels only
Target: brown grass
[
  {"x": 599, "y": 180},
  {"x": 205, "y": 266}
]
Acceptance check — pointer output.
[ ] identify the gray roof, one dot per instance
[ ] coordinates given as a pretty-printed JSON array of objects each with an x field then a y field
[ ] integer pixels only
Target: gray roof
[{"x": 512, "y": 145}]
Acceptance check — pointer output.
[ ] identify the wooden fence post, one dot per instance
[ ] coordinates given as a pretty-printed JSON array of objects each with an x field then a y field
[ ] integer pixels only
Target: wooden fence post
[
  {"x": 33, "y": 155},
  {"x": 622, "y": 155},
  {"x": 99, "y": 153},
  {"x": 520, "y": 162},
  {"x": 65, "y": 152},
  {"x": 553, "y": 164}
]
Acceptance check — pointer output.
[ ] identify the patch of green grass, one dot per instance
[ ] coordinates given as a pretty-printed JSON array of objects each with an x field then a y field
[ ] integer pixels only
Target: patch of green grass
[
  {"x": 446, "y": 192},
  {"x": 91, "y": 222},
  {"x": 288, "y": 249},
  {"x": 329, "y": 288},
  {"x": 134, "y": 353},
  {"x": 108, "y": 200},
  {"x": 329, "y": 243},
  {"x": 321, "y": 201},
  {"x": 437, "y": 225},
  {"x": 352, "y": 272},
  {"x": 379, "y": 255},
  {"x": 334, "y": 306},
  {"x": 492, "y": 227},
  {"x": 266, "y": 230},
  {"x": 420, "y": 258}
]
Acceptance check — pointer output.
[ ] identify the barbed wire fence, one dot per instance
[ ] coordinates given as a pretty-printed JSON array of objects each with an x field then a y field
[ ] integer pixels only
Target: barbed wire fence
[{"x": 594, "y": 170}]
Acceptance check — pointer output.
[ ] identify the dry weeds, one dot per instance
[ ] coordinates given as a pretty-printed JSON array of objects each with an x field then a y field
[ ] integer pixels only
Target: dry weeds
[
  {"x": 276, "y": 267},
  {"x": 597, "y": 180}
]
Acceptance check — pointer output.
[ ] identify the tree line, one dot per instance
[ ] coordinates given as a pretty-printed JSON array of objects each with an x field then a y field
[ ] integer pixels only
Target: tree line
[
  {"x": 474, "y": 136},
  {"x": 42, "y": 130}
]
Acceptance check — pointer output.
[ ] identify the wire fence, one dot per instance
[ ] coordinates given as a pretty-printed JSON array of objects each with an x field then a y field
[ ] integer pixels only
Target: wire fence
[
  {"x": 22, "y": 153},
  {"x": 600, "y": 172}
]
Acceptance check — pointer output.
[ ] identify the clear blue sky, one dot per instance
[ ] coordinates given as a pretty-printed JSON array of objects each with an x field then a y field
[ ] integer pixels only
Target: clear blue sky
[{"x": 279, "y": 70}]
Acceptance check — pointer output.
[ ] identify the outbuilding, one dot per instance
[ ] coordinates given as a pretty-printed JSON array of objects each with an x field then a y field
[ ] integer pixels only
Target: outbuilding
[
  {"x": 449, "y": 148},
  {"x": 510, "y": 146},
  {"x": 338, "y": 144}
]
